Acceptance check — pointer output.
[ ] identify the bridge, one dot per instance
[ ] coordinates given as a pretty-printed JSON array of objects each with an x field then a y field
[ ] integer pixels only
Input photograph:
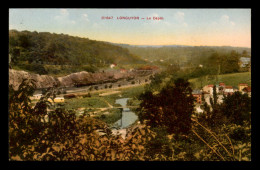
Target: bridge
[{"x": 118, "y": 107}]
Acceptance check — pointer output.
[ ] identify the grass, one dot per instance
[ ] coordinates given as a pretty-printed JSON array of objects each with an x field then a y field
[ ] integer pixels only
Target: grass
[
  {"x": 113, "y": 116},
  {"x": 232, "y": 79},
  {"x": 132, "y": 92},
  {"x": 88, "y": 102}
]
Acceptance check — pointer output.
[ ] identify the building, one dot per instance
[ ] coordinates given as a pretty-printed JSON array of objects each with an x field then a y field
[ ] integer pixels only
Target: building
[
  {"x": 57, "y": 100},
  {"x": 37, "y": 96},
  {"x": 247, "y": 90},
  {"x": 122, "y": 70},
  {"x": 228, "y": 90},
  {"x": 198, "y": 96},
  {"x": 112, "y": 65},
  {"x": 244, "y": 61},
  {"x": 222, "y": 84},
  {"x": 241, "y": 86},
  {"x": 209, "y": 89}
]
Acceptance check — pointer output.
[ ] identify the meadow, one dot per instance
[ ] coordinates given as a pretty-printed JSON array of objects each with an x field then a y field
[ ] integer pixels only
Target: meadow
[{"x": 232, "y": 79}]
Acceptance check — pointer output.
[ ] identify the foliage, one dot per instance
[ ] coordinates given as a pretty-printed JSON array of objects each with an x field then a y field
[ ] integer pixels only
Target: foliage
[
  {"x": 113, "y": 116},
  {"x": 237, "y": 107},
  {"x": 60, "y": 49},
  {"x": 171, "y": 108},
  {"x": 36, "y": 134},
  {"x": 184, "y": 55},
  {"x": 232, "y": 79}
]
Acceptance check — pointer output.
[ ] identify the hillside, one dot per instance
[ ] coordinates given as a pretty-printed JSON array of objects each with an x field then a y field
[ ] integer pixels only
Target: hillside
[
  {"x": 180, "y": 53},
  {"x": 46, "y": 48},
  {"x": 229, "y": 79}
]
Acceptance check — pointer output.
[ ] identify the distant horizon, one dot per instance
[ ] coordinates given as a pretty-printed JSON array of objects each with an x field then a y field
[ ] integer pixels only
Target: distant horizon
[
  {"x": 136, "y": 44},
  {"x": 192, "y": 27}
]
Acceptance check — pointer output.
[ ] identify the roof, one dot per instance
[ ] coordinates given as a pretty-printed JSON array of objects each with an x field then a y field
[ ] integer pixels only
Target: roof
[
  {"x": 229, "y": 87},
  {"x": 37, "y": 95},
  {"x": 247, "y": 89},
  {"x": 226, "y": 93},
  {"x": 204, "y": 92},
  {"x": 196, "y": 92},
  {"x": 210, "y": 85},
  {"x": 59, "y": 97},
  {"x": 222, "y": 84},
  {"x": 243, "y": 84},
  {"x": 245, "y": 59}
]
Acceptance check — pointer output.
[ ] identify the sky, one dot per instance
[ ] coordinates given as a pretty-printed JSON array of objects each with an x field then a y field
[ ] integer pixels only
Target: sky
[{"x": 195, "y": 27}]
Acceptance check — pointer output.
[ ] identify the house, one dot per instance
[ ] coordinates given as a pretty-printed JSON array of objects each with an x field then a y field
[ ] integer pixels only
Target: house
[
  {"x": 222, "y": 84},
  {"x": 197, "y": 95},
  {"x": 112, "y": 65},
  {"x": 228, "y": 90},
  {"x": 247, "y": 90},
  {"x": 122, "y": 70},
  {"x": 241, "y": 86},
  {"x": 244, "y": 61},
  {"x": 209, "y": 89},
  {"x": 37, "y": 96},
  {"x": 57, "y": 100}
]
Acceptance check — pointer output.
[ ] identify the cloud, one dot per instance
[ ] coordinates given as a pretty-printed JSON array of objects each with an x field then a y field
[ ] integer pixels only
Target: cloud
[
  {"x": 225, "y": 20},
  {"x": 84, "y": 17},
  {"x": 63, "y": 17},
  {"x": 180, "y": 18}
]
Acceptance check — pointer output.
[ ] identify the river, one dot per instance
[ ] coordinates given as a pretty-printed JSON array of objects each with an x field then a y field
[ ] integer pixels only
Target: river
[{"x": 128, "y": 117}]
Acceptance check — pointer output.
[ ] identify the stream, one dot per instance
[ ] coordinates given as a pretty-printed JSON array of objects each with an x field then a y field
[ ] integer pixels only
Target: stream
[{"x": 128, "y": 117}]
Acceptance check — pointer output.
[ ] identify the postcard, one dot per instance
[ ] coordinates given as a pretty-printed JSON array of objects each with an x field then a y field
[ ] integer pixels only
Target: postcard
[{"x": 129, "y": 84}]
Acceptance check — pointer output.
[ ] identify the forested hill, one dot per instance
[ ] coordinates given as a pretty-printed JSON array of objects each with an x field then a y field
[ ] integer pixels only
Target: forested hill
[
  {"x": 180, "y": 53},
  {"x": 60, "y": 49}
]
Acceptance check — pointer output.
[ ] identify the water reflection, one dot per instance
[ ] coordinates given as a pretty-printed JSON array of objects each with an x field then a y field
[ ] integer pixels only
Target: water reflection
[{"x": 128, "y": 117}]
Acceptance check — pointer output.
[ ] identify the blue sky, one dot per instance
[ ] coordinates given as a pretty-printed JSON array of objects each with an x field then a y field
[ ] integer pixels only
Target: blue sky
[{"x": 212, "y": 27}]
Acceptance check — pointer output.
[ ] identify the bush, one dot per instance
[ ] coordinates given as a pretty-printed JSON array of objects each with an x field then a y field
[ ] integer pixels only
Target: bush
[
  {"x": 36, "y": 135},
  {"x": 172, "y": 107},
  {"x": 86, "y": 95},
  {"x": 237, "y": 108},
  {"x": 69, "y": 96},
  {"x": 91, "y": 69}
]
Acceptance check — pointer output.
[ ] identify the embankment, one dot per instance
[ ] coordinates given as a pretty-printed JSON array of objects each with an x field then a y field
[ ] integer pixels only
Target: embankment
[{"x": 74, "y": 79}]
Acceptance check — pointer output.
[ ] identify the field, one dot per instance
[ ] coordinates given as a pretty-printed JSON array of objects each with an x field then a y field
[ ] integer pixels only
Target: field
[
  {"x": 96, "y": 101},
  {"x": 101, "y": 107},
  {"x": 229, "y": 79}
]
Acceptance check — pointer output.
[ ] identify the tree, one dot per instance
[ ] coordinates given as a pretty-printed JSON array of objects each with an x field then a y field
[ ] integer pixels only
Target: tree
[
  {"x": 58, "y": 135},
  {"x": 214, "y": 101},
  {"x": 237, "y": 107},
  {"x": 171, "y": 108}
]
